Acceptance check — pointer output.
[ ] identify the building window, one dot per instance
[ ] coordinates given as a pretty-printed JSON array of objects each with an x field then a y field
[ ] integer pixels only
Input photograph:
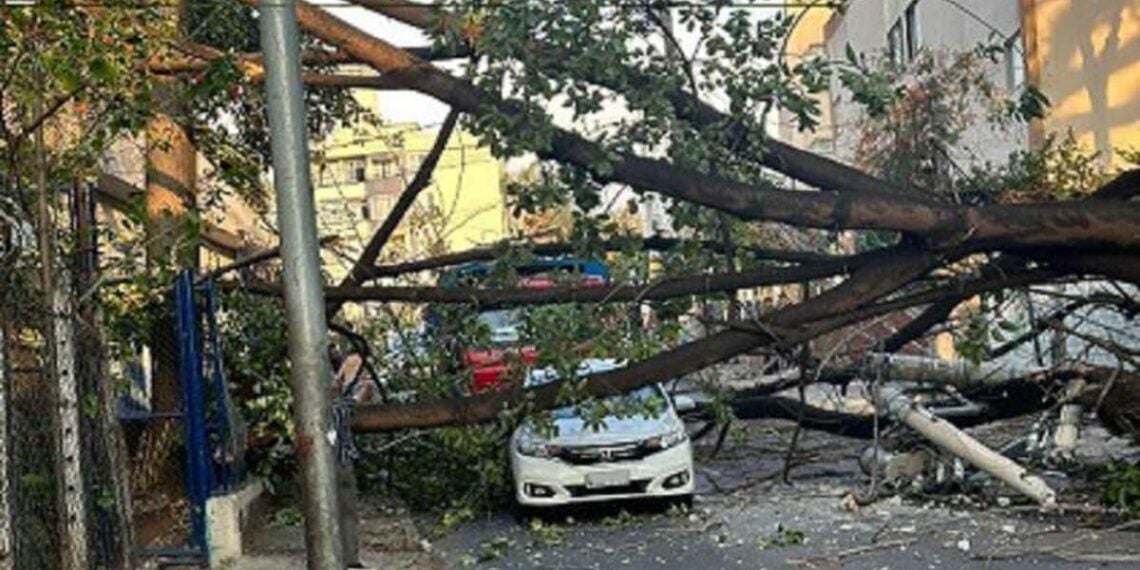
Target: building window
[
  {"x": 904, "y": 39},
  {"x": 895, "y": 43},
  {"x": 1014, "y": 62},
  {"x": 386, "y": 167},
  {"x": 910, "y": 19},
  {"x": 365, "y": 212},
  {"x": 356, "y": 170}
]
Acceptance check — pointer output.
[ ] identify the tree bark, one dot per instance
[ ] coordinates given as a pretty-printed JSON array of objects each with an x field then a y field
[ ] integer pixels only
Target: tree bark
[{"x": 654, "y": 243}]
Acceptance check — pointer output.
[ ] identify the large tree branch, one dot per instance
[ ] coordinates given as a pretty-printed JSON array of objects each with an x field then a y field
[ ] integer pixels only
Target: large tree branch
[
  {"x": 918, "y": 326},
  {"x": 655, "y": 243},
  {"x": 1122, "y": 265},
  {"x": 999, "y": 401},
  {"x": 852, "y": 301},
  {"x": 666, "y": 288},
  {"x": 888, "y": 271},
  {"x": 1124, "y": 187},
  {"x": 360, "y": 269},
  {"x": 1062, "y": 224},
  {"x": 198, "y": 57}
]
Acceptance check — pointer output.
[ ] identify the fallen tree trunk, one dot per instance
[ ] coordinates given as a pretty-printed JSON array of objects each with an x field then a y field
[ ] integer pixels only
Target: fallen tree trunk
[
  {"x": 655, "y": 243},
  {"x": 995, "y": 402},
  {"x": 667, "y": 288},
  {"x": 959, "y": 373}
]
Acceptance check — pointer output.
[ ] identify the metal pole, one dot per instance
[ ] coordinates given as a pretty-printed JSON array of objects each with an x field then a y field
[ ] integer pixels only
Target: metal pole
[
  {"x": 310, "y": 373},
  {"x": 70, "y": 457},
  {"x": 7, "y": 561}
]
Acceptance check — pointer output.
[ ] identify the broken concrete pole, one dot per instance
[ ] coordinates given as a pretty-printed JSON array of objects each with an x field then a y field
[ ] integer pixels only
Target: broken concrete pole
[
  {"x": 958, "y": 373},
  {"x": 1069, "y": 423},
  {"x": 953, "y": 440},
  {"x": 1068, "y": 431}
]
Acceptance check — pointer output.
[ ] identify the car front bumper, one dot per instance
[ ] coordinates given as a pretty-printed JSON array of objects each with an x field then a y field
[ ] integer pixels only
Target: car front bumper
[{"x": 564, "y": 483}]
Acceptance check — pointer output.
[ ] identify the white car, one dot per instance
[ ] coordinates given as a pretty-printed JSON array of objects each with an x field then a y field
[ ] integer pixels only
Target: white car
[{"x": 631, "y": 457}]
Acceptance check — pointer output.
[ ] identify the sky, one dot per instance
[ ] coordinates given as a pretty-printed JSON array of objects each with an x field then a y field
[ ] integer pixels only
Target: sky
[{"x": 396, "y": 106}]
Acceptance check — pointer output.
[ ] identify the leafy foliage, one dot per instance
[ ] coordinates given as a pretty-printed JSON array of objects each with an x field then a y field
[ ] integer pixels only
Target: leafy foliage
[
  {"x": 1122, "y": 487},
  {"x": 916, "y": 116},
  {"x": 1060, "y": 169},
  {"x": 255, "y": 347}
]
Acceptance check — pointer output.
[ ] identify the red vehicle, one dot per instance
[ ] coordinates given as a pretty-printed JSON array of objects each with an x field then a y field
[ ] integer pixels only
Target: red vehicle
[{"x": 489, "y": 366}]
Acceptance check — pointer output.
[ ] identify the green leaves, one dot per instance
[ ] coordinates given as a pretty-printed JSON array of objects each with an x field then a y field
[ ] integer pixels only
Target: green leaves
[
  {"x": 783, "y": 537},
  {"x": 1121, "y": 488},
  {"x": 1031, "y": 104}
]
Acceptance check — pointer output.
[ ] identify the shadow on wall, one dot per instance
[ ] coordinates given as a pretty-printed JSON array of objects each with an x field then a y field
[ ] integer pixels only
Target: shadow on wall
[{"x": 1090, "y": 69}]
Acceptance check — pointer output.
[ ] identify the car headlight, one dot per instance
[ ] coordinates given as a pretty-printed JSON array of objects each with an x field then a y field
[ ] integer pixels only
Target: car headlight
[
  {"x": 532, "y": 445},
  {"x": 674, "y": 436}
]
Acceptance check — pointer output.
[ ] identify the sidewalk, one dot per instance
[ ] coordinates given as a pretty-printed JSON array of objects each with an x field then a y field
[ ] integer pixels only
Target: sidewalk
[{"x": 388, "y": 539}]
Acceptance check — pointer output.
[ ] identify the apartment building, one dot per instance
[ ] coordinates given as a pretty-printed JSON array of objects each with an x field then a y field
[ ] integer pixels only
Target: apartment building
[
  {"x": 1083, "y": 55},
  {"x": 361, "y": 169}
]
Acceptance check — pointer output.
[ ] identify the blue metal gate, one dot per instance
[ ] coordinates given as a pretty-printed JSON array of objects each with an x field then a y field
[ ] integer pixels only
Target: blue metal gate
[{"x": 214, "y": 438}]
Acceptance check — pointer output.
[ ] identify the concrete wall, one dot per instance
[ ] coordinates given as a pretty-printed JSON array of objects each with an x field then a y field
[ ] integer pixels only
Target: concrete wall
[
  {"x": 1085, "y": 56},
  {"x": 942, "y": 27}
]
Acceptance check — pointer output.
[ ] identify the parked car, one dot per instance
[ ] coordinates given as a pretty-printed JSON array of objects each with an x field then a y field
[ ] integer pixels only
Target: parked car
[{"x": 632, "y": 457}]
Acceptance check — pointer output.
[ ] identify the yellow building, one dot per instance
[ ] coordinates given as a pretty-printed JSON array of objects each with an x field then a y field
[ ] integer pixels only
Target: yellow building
[
  {"x": 1085, "y": 56},
  {"x": 360, "y": 170},
  {"x": 808, "y": 40}
]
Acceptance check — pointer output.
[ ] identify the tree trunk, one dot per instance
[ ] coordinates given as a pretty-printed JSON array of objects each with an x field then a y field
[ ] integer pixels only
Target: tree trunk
[{"x": 171, "y": 171}]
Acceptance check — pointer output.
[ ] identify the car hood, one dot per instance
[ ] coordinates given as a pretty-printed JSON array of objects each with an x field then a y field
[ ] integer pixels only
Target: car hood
[{"x": 573, "y": 431}]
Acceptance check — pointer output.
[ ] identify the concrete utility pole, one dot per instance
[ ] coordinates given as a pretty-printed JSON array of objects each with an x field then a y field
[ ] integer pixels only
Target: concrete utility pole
[{"x": 310, "y": 373}]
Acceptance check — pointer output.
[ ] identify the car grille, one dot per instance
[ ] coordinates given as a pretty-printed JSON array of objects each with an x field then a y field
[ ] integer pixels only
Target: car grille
[
  {"x": 589, "y": 454},
  {"x": 632, "y": 488}
]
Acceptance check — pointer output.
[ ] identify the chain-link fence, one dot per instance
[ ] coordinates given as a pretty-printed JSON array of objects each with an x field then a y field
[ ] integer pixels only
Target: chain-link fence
[{"x": 63, "y": 503}]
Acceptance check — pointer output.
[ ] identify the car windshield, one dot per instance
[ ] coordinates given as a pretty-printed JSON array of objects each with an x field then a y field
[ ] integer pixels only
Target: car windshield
[
  {"x": 638, "y": 397},
  {"x": 503, "y": 324}
]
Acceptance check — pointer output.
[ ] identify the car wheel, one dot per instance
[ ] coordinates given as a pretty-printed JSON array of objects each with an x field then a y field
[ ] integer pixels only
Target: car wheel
[
  {"x": 682, "y": 502},
  {"x": 522, "y": 513}
]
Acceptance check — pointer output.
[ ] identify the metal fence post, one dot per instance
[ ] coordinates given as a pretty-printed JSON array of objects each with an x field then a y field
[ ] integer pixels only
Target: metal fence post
[
  {"x": 70, "y": 457},
  {"x": 7, "y": 561},
  {"x": 310, "y": 374},
  {"x": 193, "y": 407}
]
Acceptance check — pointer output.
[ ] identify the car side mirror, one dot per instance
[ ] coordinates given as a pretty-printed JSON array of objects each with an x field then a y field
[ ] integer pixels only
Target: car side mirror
[{"x": 684, "y": 404}]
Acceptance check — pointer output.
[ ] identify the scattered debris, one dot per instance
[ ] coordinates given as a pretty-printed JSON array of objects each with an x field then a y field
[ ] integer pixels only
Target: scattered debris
[
  {"x": 838, "y": 557},
  {"x": 783, "y": 537},
  {"x": 959, "y": 443}
]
